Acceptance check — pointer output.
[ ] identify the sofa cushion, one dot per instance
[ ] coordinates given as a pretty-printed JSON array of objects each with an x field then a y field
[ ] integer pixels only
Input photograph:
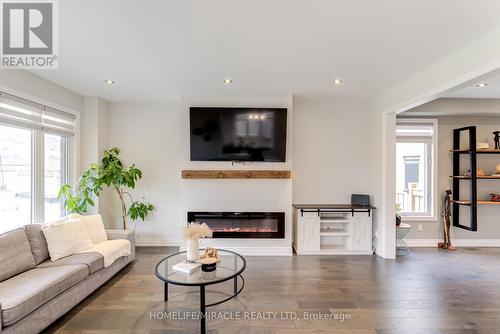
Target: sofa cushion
[
  {"x": 66, "y": 238},
  {"x": 112, "y": 250},
  {"x": 93, "y": 260},
  {"x": 37, "y": 242},
  {"x": 15, "y": 254},
  {"x": 22, "y": 294}
]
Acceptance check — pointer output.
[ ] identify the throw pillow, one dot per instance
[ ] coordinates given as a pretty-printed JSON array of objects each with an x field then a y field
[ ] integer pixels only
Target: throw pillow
[
  {"x": 65, "y": 238},
  {"x": 95, "y": 227}
]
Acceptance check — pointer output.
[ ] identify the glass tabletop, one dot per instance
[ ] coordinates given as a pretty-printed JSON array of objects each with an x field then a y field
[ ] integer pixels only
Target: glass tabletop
[{"x": 231, "y": 265}]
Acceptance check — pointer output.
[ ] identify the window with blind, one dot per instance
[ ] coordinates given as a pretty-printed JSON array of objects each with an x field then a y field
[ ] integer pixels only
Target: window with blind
[
  {"x": 35, "y": 148},
  {"x": 416, "y": 168}
]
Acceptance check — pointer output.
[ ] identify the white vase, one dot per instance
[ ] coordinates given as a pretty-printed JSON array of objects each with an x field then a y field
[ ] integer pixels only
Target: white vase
[{"x": 192, "y": 249}]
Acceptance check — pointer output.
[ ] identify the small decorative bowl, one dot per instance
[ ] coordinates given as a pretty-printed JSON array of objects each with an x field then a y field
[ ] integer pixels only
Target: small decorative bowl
[{"x": 208, "y": 264}]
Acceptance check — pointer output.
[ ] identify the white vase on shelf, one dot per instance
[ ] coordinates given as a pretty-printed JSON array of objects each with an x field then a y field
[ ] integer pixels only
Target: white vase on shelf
[{"x": 192, "y": 249}]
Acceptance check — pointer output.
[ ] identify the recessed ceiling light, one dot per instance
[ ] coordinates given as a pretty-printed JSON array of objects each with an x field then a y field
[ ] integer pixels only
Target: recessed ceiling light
[
  {"x": 482, "y": 84},
  {"x": 109, "y": 82},
  {"x": 338, "y": 82},
  {"x": 228, "y": 81}
]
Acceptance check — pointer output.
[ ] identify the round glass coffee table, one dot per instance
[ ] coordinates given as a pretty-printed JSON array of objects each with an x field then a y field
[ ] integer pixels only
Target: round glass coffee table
[{"x": 229, "y": 268}]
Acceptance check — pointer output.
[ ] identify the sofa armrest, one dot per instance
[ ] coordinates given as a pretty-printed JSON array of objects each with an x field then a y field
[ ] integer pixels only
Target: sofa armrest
[{"x": 124, "y": 234}]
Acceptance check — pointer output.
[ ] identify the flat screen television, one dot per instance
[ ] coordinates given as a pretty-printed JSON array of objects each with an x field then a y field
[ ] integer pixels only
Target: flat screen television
[{"x": 238, "y": 134}]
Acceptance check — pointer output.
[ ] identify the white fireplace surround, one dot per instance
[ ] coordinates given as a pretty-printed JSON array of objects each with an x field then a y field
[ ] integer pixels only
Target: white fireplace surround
[{"x": 240, "y": 195}]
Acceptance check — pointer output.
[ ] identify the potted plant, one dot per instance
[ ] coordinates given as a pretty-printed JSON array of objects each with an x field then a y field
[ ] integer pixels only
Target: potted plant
[
  {"x": 398, "y": 214},
  {"x": 112, "y": 173}
]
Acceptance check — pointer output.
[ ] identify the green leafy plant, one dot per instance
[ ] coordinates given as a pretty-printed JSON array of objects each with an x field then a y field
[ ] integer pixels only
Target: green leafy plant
[
  {"x": 112, "y": 173},
  {"x": 398, "y": 209},
  {"x": 398, "y": 214}
]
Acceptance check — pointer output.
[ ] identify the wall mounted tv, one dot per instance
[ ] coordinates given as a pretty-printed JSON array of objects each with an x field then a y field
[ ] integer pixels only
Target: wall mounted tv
[{"x": 238, "y": 134}]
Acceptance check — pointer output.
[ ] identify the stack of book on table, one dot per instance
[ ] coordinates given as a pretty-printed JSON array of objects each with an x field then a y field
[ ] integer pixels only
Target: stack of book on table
[{"x": 187, "y": 267}]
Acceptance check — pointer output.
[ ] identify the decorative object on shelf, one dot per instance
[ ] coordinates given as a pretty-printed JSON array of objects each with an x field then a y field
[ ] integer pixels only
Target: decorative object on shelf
[
  {"x": 110, "y": 172},
  {"x": 497, "y": 169},
  {"x": 211, "y": 253},
  {"x": 482, "y": 146},
  {"x": 360, "y": 200},
  {"x": 192, "y": 233},
  {"x": 497, "y": 139},
  {"x": 495, "y": 197},
  {"x": 398, "y": 214},
  {"x": 447, "y": 222},
  {"x": 480, "y": 172},
  {"x": 208, "y": 264}
]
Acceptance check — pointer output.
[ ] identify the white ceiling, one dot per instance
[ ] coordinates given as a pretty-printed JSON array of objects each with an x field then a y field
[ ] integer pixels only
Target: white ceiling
[
  {"x": 491, "y": 91},
  {"x": 158, "y": 49}
]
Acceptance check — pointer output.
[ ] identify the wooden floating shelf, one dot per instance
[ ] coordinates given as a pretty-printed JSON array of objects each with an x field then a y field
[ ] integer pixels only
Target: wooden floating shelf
[
  {"x": 478, "y": 202},
  {"x": 486, "y": 177},
  {"x": 482, "y": 151},
  {"x": 236, "y": 174}
]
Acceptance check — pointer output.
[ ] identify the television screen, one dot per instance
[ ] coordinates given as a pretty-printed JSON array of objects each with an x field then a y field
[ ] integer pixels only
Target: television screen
[{"x": 238, "y": 134}]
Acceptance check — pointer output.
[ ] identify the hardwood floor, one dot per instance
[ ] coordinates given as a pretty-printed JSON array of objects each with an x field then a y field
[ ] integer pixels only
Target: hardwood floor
[{"x": 428, "y": 291}]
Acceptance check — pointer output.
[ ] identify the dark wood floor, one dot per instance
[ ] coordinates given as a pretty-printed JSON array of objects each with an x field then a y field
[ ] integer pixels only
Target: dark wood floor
[{"x": 428, "y": 291}]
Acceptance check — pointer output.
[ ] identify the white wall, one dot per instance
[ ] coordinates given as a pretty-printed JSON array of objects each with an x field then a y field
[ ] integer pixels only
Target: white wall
[
  {"x": 93, "y": 141},
  {"x": 336, "y": 152},
  {"x": 331, "y": 152},
  {"x": 149, "y": 135},
  {"x": 487, "y": 215},
  {"x": 156, "y": 138}
]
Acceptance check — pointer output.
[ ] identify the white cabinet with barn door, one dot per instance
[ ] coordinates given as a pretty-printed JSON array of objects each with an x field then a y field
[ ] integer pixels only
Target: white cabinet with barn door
[
  {"x": 332, "y": 229},
  {"x": 309, "y": 230}
]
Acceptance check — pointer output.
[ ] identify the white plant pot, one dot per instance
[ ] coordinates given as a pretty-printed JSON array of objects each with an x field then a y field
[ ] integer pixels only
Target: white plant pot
[{"x": 192, "y": 249}]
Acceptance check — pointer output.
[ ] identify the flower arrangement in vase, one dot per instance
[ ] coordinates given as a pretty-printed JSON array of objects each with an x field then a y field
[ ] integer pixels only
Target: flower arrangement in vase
[{"x": 192, "y": 234}]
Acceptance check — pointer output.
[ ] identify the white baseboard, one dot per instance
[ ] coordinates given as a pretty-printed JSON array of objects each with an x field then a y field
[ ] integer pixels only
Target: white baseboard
[
  {"x": 249, "y": 251},
  {"x": 155, "y": 241},
  {"x": 456, "y": 242},
  {"x": 257, "y": 251}
]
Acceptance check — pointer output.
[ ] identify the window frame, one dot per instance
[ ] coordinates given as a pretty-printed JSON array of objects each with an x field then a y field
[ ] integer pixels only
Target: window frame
[
  {"x": 65, "y": 170},
  {"x": 432, "y": 167},
  {"x": 37, "y": 153}
]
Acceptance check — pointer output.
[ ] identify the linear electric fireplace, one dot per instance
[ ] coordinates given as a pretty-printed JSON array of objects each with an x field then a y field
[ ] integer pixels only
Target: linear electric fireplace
[{"x": 242, "y": 224}]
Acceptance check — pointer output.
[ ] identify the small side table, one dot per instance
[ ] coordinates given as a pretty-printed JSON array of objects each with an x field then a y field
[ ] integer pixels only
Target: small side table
[
  {"x": 231, "y": 267},
  {"x": 401, "y": 246}
]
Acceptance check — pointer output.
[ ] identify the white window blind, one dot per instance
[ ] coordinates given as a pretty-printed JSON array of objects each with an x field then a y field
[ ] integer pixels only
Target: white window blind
[
  {"x": 414, "y": 130},
  {"x": 24, "y": 113}
]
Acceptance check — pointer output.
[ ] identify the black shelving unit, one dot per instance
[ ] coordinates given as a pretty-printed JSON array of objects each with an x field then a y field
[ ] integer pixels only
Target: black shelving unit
[
  {"x": 473, "y": 178},
  {"x": 472, "y": 202}
]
